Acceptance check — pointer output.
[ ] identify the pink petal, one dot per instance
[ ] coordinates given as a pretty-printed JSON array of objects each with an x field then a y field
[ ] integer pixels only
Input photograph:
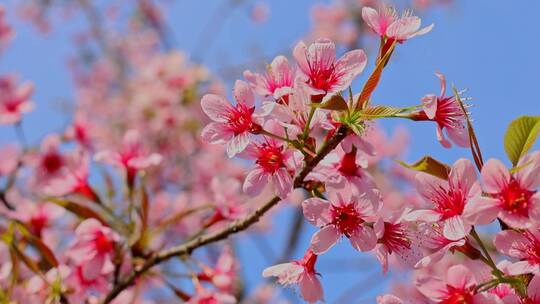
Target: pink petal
[
  {"x": 454, "y": 228},
  {"x": 324, "y": 239},
  {"x": 300, "y": 55},
  {"x": 430, "y": 105},
  {"x": 442, "y": 80},
  {"x": 316, "y": 211},
  {"x": 237, "y": 144},
  {"x": 350, "y": 65},
  {"x": 255, "y": 182},
  {"x": 528, "y": 176},
  {"x": 494, "y": 176},
  {"x": 216, "y": 133},
  {"x": 310, "y": 288},
  {"x": 481, "y": 210},
  {"x": 523, "y": 267},
  {"x": 440, "y": 137},
  {"x": 243, "y": 94},
  {"x": 371, "y": 17},
  {"x": 463, "y": 175},
  {"x": 511, "y": 243},
  {"x": 533, "y": 291},
  {"x": 216, "y": 107},
  {"x": 389, "y": 299},
  {"x": 459, "y": 135},
  {"x": 427, "y": 215},
  {"x": 459, "y": 276},
  {"x": 429, "y": 186},
  {"x": 363, "y": 239},
  {"x": 432, "y": 287},
  {"x": 92, "y": 268},
  {"x": 283, "y": 182},
  {"x": 516, "y": 220}
]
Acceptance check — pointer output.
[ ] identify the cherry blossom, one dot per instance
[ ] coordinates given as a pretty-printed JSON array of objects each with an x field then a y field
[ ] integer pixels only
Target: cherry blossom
[
  {"x": 323, "y": 73},
  {"x": 343, "y": 214},
  {"x": 511, "y": 197},
  {"x": 232, "y": 124},
  {"x": 276, "y": 82},
  {"x": 14, "y": 99},
  {"x": 93, "y": 248},
  {"x": 449, "y": 198},
  {"x": 301, "y": 273}
]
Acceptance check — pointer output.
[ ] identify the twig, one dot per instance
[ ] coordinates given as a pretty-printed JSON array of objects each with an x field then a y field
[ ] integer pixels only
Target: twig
[{"x": 239, "y": 225}]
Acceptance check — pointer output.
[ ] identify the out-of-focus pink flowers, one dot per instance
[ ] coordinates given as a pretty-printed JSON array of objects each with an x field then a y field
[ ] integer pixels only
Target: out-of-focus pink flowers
[
  {"x": 301, "y": 273},
  {"x": 223, "y": 274},
  {"x": 6, "y": 32},
  {"x": 93, "y": 248},
  {"x": 449, "y": 199},
  {"x": 232, "y": 124},
  {"x": 9, "y": 158},
  {"x": 511, "y": 197},
  {"x": 322, "y": 72},
  {"x": 132, "y": 157},
  {"x": 14, "y": 99},
  {"x": 37, "y": 216},
  {"x": 448, "y": 114},
  {"x": 276, "y": 82},
  {"x": 387, "y": 24},
  {"x": 344, "y": 214}
]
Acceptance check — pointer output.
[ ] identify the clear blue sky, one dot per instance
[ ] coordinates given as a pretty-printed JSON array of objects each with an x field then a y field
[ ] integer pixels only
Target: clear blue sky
[{"x": 489, "y": 47}]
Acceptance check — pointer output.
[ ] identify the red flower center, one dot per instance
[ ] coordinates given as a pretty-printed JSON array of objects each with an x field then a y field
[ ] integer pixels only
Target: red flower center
[
  {"x": 346, "y": 218},
  {"x": 12, "y": 105},
  {"x": 239, "y": 119},
  {"x": 449, "y": 203},
  {"x": 458, "y": 296},
  {"x": 37, "y": 223},
  {"x": 270, "y": 157},
  {"x": 348, "y": 166},
  {"x": 52, "y": 162},
  {"x": 395, "y": 238},
  {"x": 515, "y": 199},
  {"x": 103, "y": 244},
  {"x": 323, "y": 76},
  {"x": 449, "y": 113}
]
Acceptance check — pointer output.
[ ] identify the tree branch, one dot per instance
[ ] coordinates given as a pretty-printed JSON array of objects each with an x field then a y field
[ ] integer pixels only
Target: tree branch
[{"x": 239, "y": 225}]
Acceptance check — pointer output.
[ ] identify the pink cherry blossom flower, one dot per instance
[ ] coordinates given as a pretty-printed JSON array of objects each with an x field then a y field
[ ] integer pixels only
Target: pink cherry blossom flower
[
  {"x": 344, "y": 214},
  {"x": 277, "y": 81},
  {"x": 348, "y": 170},
  {"x": 397, "y": 236},
  {"x": 386, "y": 23},
  {"x": 301, "y": 273},
  {"x": 93, "y": 248},
  {"x": 524, "y": 246},
  {"x": 132, "y": 156},
  {"x": 448, "y": 114},
  {"x": 9, "y": 159},
  {"x": 274, "y": 164},
  {"x": 437, "y": 245},
  {"x": 223, "y": 274},
  {"x": 322, "y": 72},
  {"x": 232, "y": 124},
  {"x": 511, "y": 197},
  {"x": 14, "y": 99},
  {"x": 38, "y": 216},
  {"x": 458, "y": 287},
  {"x": 449, "y": 198},
  {"x": 204, "y": 296},
  {"x": 50, "y": 163},
  {"x": 6, "y": 31},
  {"x": 294, "y": 114}
]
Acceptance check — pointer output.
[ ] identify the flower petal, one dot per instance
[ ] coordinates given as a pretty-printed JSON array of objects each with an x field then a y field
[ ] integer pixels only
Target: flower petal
[{"x": 324, "y": 239}]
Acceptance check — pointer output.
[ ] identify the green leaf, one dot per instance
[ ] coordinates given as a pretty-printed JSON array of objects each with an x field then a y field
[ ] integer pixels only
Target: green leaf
[
  {"x": 429, "y": 165},
  {"x": 336, "y": 102},
  {"x": 79, "y": 210},
  {"x": 380, "y": 112},
  {"x": 521, "y": 136}
]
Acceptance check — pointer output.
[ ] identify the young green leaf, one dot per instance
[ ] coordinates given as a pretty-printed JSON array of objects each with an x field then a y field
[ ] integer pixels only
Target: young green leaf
[
  {"x": 521, "y": 136},
  {"x": 429, "y": 165}
]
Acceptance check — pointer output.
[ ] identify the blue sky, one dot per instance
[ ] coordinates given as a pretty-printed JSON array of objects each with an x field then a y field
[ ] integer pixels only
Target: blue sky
[{"x": 488, "y": 47}]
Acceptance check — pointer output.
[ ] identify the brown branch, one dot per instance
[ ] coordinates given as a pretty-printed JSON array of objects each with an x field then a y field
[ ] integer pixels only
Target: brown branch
[{"x": 239, "y": 225}]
